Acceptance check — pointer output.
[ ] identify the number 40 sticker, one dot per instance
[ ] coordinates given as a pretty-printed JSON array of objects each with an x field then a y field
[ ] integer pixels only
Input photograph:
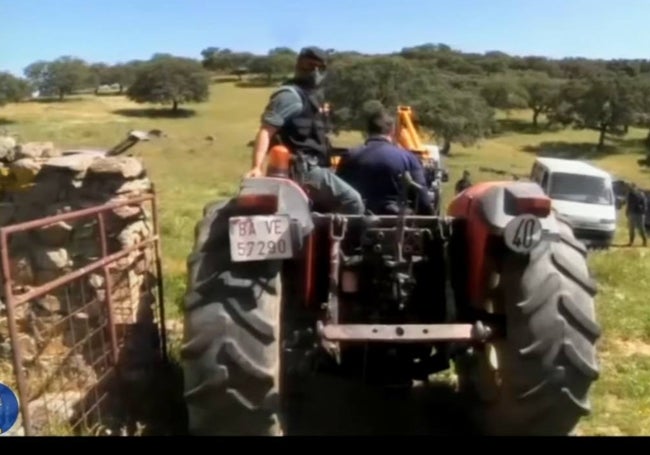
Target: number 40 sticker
[{"x": 523, "y": 233}]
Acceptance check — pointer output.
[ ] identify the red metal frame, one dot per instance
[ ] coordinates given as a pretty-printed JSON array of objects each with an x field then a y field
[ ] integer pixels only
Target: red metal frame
[{"x": 12, "y": 301}]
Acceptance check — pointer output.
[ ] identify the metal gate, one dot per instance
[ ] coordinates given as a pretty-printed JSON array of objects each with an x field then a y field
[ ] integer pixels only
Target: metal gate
[{"x": 78, "y": 333}]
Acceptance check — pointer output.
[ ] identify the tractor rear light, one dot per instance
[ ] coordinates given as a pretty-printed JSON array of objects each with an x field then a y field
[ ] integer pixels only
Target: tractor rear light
[
  {"x": 526, "y": 198},
  {"x": 259, "y": 203},
  {"x": 538, "y": 206},
  {"x": 279, "y": 162}
]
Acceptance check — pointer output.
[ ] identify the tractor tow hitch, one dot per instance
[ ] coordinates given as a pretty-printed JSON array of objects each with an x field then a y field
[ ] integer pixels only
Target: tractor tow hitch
[{"x": 406, "y": 333}]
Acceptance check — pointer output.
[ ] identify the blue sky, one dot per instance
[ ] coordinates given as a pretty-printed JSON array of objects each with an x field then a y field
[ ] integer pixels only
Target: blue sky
[{"x": 121, "y": 30}]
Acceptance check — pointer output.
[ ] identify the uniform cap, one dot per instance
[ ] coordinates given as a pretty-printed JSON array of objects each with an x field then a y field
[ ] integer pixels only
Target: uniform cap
[{"x": 313, "y": 53}]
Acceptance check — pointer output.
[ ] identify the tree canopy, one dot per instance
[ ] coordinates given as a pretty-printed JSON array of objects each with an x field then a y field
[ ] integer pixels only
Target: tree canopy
[
  {"x": 59, "y": 77},
  {"x": 456, "y": 94},
  {"x": 12, "y": 89},
  {"x": 170, "y": 80}
]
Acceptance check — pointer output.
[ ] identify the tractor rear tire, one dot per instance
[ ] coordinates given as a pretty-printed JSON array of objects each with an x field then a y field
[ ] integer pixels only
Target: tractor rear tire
[
  {"x": 547, "y": 362},
  {"x": 231, "y": 349}
]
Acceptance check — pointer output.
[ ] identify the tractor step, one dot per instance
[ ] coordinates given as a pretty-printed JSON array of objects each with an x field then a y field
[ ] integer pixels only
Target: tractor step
[{"x": 405, "y": 333}]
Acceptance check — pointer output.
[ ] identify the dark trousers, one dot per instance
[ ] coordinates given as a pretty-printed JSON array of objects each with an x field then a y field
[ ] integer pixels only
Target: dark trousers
[
  {"x": 329, "y": 192},
  {"x": 636, "y": 221}
]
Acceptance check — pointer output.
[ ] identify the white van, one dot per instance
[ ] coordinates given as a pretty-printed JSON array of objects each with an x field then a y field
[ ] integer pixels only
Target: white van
[{"x": 582, "y": 194}]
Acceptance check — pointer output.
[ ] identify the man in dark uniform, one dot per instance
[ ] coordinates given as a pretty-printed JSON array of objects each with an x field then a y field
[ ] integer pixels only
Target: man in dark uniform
[
  {"x": 295, "y": 116},
  {"x": 637, "y": 207},
  {"x": 463, "y": 183},
  {"x": 376, "y": 170}
]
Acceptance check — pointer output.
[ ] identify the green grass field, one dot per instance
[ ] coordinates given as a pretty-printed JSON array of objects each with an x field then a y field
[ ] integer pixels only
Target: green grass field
[{"x": 189, "y": 171}]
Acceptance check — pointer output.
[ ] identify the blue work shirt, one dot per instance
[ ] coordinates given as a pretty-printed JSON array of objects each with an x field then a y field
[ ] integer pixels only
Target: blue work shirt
[{"x": 374, "y": 170}]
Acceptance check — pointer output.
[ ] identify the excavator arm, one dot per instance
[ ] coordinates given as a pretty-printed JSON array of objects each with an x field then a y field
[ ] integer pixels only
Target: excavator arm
[{"x": 406, "y": 132}]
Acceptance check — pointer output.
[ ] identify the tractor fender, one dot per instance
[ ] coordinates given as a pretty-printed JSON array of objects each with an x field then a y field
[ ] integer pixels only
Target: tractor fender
[
  {"x": 498, "y": 205},
  {"x": 487, "y": 208},
  {"x": 495, "y": 203},
  {"x": 289, "y": 199}
]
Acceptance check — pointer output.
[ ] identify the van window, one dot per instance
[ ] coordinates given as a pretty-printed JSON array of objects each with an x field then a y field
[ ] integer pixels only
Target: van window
[
  {"x": 536, "y": 173},
  {"x": 544, "y": 183},
  {"x": 580, "y": 188}
]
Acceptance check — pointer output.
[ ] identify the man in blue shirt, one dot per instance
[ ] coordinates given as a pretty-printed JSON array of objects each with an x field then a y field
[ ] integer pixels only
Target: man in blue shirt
[{"x": 375, "y": 170}]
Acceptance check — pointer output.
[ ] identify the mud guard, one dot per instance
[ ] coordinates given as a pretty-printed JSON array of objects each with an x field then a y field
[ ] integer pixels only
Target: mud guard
[
  {"x": 487, "y": 208},
  {"x": 288, "y": 197},
  {"x": 280, "y": 196}
]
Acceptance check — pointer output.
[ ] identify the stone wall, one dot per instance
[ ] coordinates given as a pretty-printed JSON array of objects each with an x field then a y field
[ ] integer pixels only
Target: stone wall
[{"x": 40, "y": 180}]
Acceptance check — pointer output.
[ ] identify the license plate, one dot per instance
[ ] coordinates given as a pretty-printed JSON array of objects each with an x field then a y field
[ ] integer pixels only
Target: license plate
[{"x": 260, "y": 238}]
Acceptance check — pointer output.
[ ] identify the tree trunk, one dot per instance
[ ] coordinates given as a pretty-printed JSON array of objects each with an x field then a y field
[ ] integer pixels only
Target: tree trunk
[
  {"x": 121, "y": 89},
  {"x": 446, "y": 147},
  {"x": 61, "y": 94},
  {"x": 175, "y": 106},
  {"x": 536, "y": 113},
  {"x": 601, "y": 139}
]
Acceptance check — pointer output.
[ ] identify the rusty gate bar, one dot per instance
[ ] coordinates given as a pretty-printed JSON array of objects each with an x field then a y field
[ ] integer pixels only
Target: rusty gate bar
[
  {"x": 13, "y": 332},
  {"x": 81, "y": 213},
  {"x": 109, "y": 288},
  {"x": 13, "y": 301},
  {"x": 159, "y": 273},
  {"x": 69, "y": 277}
]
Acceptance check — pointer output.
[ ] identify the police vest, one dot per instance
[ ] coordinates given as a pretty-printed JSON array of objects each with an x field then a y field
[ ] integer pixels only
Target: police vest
[{"x": 305, "y": 133}]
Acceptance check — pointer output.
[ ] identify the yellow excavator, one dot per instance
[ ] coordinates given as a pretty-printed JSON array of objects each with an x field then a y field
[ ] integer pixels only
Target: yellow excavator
[{"x": 408, "y": 136}]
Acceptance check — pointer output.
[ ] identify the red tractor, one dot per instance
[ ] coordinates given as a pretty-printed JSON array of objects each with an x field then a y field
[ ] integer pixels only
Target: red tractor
[{"x": 499, "y": 287}]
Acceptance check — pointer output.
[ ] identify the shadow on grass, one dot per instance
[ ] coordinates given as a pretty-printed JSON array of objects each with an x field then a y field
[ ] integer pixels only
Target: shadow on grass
[
  {"x": 572, "y": 150},
  {"x": 225, "y": 79},
  {"x": 320, "y": 405},
  {"x": 109, "y": 94},
  {"x": 519, "y": 126},
  {"x": 456, "y": 155},
  {"x": 54, "y": 100},
  {"x": 329, "y": 405},
  {"x": 155, "y": 113},
  {"x": 142, "y": 395},
  {"x": 256, "y": 83},
  {"x": 158, "y": 405},
  {"x": 6, "y": 121},
  {"x": 627, "y": 142}
]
